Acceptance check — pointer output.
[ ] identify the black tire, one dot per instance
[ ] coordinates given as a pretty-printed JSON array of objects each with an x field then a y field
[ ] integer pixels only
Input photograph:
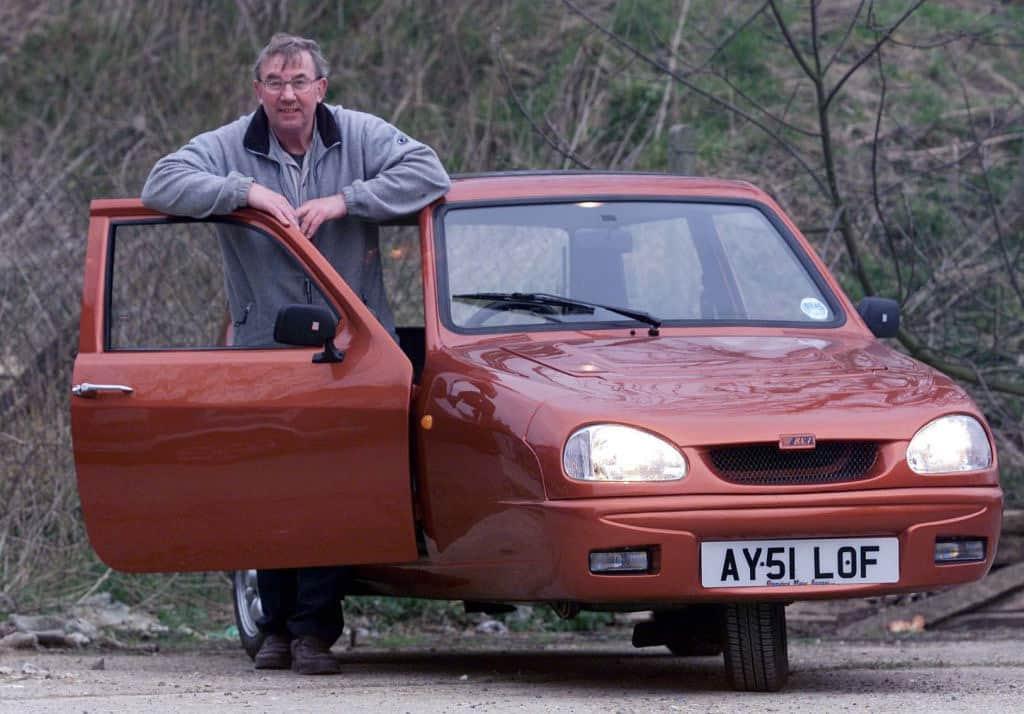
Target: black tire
[
  {"x": 756, "y": 650},
  {"x": 246, "y": 599}
]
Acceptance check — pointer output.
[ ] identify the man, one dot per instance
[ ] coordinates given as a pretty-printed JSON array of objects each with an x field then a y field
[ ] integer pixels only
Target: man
[{"x": 331, "y": 172}]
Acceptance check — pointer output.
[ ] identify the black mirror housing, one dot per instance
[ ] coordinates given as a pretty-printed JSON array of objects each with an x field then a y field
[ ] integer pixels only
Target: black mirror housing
[
  {"x": 304, "y": 325},
  {"x": 882, "y": 315},
  {"x": 308, "y": 326}
]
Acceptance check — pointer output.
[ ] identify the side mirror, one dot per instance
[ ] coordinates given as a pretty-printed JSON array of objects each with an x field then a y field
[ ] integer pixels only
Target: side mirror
[
  {"x": 882, "y": 315},
  {"x": 308, "y": 326}
]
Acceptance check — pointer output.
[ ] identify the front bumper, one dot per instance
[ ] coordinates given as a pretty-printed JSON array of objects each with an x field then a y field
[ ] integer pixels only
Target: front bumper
[{"x": 673, "y": 528}]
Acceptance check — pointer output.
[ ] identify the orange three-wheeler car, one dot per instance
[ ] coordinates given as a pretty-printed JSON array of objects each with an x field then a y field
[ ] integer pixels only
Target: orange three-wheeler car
[{"x": 609, "y": 392}]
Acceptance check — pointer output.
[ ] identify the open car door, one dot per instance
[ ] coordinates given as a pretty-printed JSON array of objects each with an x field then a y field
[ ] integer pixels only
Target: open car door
[{"x": 193, "y": 454}]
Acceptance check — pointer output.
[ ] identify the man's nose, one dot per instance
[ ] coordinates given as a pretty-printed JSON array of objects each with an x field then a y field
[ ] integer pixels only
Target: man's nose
[{"x": 288, "y": 91}]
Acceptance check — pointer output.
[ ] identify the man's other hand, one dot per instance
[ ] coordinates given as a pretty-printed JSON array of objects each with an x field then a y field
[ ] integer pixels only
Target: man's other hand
[
  {"x": 312, "y": 214},
  {"x": 272, "y": 202}
]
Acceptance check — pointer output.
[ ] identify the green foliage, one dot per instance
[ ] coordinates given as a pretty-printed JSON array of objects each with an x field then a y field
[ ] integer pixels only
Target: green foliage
[
  {"x": 631, "y": 102},
  {"x": 1011, "y": 478},
  {"x": 386, "y": 611},
  {"x": 544, "y": 619},
  {"x": 928, "y": 104},
  {"x": 953, "y": 17},
  {"x": 648, "y": 24},
  {"x": 204, "y": 619},
  {"x": 743, "y": 62},
  {"x": 714, "y": 145}
]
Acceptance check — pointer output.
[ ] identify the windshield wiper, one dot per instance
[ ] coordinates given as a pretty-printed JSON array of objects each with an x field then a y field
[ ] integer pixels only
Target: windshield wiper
[{"x": 566, "y": 303}]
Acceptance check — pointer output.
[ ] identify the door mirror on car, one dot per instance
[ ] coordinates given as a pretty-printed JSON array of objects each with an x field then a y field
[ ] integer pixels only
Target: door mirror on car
[
  {"x": 882, "y": 315},
  {"x": 308, "y": 326}
]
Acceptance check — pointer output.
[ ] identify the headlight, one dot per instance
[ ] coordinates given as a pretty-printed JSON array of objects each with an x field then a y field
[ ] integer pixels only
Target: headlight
[
  {"x": 949, "y": 444},
  {"x": 610, "y": 452}
]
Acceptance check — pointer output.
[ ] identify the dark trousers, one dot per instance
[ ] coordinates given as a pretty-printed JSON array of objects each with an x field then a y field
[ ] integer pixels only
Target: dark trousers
[{"x": 302, "y": 601}]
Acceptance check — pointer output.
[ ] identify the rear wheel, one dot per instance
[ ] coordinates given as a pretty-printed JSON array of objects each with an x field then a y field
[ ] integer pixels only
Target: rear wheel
[
  {"x": 756, "y": 649},
  {"x": 248, "y": 610}
]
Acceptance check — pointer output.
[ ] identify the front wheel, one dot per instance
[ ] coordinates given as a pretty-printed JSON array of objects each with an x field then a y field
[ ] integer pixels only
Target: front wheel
[
  {"x": 756, "y": 650},
  {"x": 248, "y": 609}
]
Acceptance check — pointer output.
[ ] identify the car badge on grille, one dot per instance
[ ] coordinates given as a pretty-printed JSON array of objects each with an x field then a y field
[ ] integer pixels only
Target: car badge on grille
[{"x": 791, "y": 442}]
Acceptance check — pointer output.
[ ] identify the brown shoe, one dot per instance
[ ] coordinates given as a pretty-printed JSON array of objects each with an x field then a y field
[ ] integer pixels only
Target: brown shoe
[
  {"x": 311, "y": 655},
  {"x": 275, "y": 652}
]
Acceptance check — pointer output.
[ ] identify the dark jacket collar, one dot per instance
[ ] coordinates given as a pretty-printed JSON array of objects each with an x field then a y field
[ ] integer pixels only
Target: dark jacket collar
[{"x": 257, "y": 136}]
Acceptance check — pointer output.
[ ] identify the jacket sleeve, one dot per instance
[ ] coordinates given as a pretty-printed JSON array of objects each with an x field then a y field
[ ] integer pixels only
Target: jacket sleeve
[
  {"x": 401, "y": 175},
  {"x": 194, "y": 181}
]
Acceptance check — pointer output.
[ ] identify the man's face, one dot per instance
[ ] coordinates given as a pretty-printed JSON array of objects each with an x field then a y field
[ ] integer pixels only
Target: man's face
[{"x": 290, "y": 111}]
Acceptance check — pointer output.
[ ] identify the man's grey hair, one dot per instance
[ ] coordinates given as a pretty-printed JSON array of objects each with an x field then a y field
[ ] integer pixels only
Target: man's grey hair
[{"x": 291, "y": 47}]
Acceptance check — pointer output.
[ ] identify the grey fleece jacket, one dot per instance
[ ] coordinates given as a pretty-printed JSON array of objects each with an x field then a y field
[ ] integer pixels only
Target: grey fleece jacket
[{"x": 381, "y": 172}]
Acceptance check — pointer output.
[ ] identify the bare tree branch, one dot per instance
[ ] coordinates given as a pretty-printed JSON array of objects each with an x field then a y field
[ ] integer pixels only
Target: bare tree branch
[
  {"x": 791, "y": 43},
  {"x": 919, "y": 350},
  {"x": 868, "y": 55},
  {"x": 846, "y": 36},
  {"x": 819, "y": 75},
  {"x": 677, "y": 36},
  {"x": 785, "y": 145},
  {"x": 874, "y": 176},
  {"x": 989, "y": 194},
  {"x": 764, "y": 110},
  {"x": 526, "y": 115},
  {"x": 731, "y": 36}
]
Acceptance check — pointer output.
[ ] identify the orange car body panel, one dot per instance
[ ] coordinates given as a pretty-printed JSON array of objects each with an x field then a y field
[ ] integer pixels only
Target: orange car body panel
[{"x": 499, "y": 518}]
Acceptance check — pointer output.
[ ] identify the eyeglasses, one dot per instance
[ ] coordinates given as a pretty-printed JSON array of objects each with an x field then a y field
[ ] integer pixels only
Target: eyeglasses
[{"x": 300, "y": 85}]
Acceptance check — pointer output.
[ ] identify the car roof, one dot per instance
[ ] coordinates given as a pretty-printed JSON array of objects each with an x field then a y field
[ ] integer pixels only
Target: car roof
[{"x": 535, "y": 184}]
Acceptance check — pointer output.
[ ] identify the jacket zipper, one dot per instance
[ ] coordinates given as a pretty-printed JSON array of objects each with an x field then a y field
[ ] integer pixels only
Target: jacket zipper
[{"x": 245, "y": 314}]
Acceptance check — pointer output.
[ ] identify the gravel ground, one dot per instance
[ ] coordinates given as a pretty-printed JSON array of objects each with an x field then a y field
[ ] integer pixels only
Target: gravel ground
[{"x": 978, "y": 672}]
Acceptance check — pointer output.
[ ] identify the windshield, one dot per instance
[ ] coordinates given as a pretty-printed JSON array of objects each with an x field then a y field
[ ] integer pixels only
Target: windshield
[{"x": 682, "y": 263}]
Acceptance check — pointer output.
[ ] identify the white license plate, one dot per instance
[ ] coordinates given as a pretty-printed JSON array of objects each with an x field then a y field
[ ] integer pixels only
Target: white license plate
[{"x": 817, "y": 561}]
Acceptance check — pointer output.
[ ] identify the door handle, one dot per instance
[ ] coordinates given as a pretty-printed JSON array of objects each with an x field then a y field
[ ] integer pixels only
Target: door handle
[{"x": 89, "y": 391}]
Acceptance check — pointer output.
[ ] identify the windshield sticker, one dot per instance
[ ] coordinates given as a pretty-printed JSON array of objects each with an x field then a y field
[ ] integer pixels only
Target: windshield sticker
[{"x": 814, "y": 308}]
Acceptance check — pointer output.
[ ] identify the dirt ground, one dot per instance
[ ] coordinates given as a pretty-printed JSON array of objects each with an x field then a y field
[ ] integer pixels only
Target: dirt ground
[{"x": 978, "y": 672}]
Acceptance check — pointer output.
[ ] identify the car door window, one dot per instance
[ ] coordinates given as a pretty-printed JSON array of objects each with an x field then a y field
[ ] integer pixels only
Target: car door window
[
  {"x": 403, "y": 273},
  {"x": 182, "y": 284}
]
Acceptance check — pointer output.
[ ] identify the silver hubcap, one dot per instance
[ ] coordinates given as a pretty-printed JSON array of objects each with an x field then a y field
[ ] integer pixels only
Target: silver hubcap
[{"x": 248, "y": 598}]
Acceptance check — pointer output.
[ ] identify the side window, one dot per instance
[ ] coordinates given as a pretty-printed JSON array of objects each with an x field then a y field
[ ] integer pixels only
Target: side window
[
  {"x": 183, "y": 284},
  {"x": 403, "y": 273}
]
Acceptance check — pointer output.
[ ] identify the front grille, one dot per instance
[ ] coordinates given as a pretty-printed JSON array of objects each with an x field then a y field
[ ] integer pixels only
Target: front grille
[{"x": 766, "y": 465}]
